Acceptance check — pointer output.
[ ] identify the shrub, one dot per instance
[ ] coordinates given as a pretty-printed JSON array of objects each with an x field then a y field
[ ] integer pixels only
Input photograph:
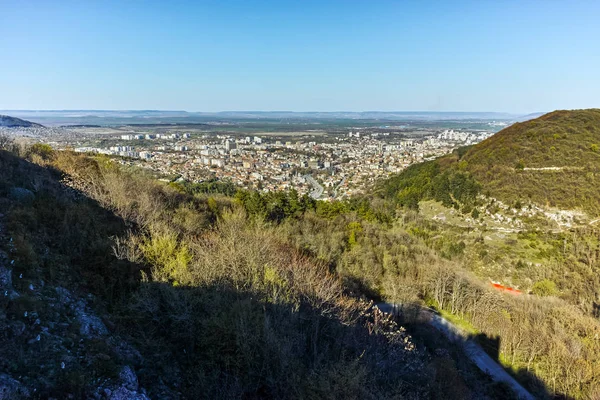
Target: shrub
[
  {"x": 168, "y": 257},
  {"x": 520, "y": 165},
  {"x": 544, "y": 287}
]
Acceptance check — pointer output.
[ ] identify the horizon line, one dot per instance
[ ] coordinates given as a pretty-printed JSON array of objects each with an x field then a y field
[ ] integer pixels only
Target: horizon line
[{"x": 268, "y": 111}]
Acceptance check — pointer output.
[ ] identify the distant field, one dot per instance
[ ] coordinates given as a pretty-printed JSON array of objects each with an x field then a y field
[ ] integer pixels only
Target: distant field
[
  {"x": 99, "y": 130},
  {"x": 298, "y": 133}
]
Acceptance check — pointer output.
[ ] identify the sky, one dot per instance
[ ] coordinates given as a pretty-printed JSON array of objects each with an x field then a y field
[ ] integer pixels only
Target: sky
[{"x": 483, "y": 55}]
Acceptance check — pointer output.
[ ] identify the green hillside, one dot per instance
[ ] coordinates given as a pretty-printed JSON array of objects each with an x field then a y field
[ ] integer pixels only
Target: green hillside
[
  {"x": 567, "y": 141},
  {"x": 553, "y": 160}
]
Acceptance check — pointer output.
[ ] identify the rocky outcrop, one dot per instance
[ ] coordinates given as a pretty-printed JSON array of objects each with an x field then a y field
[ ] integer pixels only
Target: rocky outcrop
[
  {"x": 126, "y": 388},
  {"x": 59, "y": 339},
  {"x": 11, "y": 388}
]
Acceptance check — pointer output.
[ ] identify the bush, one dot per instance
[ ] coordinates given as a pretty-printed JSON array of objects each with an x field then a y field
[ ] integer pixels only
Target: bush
[{"x": 544, "y": 287}]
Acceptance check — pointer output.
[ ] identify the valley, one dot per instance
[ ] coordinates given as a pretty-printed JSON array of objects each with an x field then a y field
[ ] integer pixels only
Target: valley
[{"x": 508, "y": 275}]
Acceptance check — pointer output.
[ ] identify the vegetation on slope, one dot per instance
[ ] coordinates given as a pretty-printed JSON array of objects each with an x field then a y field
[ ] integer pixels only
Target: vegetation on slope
[
  {"x": 552, "y": 161},
  {"x": 416, "y": 261},
  {"x": 568, "y": 140},
  {"x": 219, "y": 305},
  {"x": 428, "y": 180},
  {"x": 255, "y": 295}
]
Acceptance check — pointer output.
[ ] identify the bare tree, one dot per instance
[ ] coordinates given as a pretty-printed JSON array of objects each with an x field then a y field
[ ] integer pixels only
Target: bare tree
[{"x": 6, "y": 142}]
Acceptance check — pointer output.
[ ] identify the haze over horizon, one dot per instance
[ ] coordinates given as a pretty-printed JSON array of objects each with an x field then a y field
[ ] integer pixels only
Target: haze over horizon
[{"x": 467, "y": 56}]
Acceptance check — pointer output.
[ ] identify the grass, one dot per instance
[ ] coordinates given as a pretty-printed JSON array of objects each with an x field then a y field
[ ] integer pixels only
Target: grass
[{"x": 461, "y": 323}]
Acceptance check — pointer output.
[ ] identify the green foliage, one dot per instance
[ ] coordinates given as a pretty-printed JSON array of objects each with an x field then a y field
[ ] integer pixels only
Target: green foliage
[
  {"x": 428, "y": 181},
  {"x": 520, "y": 165},
  {"x": 275, "y": 206},
  {"x": 226, "y": 188},
  {"x": 461, "y": 151},
  {"x": 563, "y": 139},
  {"x": 544, "y": 288},
  {"x": 42, "y": 150},
  {"x": 354, "y": 228},
  {"x": 412, "y": 185},
  {"x": 167, "y": 255},
  {"x": 280, "y": 206},
  {"x": 454, "y": 188}
]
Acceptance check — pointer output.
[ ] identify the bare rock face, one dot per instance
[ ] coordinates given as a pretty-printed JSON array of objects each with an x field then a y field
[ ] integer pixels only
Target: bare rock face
[
  {"x": 12, "y": 389},
  {"x": 129, "y": 378},
  {"x": 126, "y": 388},
  {"x": 21, "y": 195},
  {"x": 90, "y": 325},
  {"x": 7, "y": 291},
  {"x": 5, "y": 278},
  {"x": 126, "y": 394},
  {"x": 126, "y": 351}
]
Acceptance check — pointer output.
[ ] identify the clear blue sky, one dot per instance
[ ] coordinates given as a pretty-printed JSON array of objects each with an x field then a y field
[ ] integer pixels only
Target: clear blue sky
[{"x": 482, "y": 55}]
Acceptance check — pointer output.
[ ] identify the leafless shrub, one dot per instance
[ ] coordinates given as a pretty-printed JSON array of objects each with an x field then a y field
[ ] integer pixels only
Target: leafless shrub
[
  {"x": 6, "y": 142},
  {"x": 127, "y": 248}
]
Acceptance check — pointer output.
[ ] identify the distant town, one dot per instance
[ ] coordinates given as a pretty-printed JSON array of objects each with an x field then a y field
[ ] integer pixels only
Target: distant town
[{"x": 324, "y": 164}]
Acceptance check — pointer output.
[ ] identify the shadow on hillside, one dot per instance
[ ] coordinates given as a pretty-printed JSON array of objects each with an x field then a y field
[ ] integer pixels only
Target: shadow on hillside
[
  {"x": 417, "y": 320},
  {"x": 489, "y": 344},
  {"x": 217, "y": 340},
  {"x": 54, "y": 225},
  {"x": 356, "y": 286},
  {"x": 211, "y": 341},
  {"x": 225, "y": 342}
]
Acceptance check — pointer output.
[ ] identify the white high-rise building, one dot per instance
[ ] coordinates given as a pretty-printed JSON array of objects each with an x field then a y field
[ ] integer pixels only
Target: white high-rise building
[{"x": 230, "y": 145}]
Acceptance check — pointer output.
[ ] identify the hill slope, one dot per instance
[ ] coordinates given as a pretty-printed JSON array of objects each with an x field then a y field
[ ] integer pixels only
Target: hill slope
[
  {"x": 119, "y": 286},
  {"x": 12, "y": 122},
  {"x": 82, "y": 316},
  {"x": 553, "y": 160}
]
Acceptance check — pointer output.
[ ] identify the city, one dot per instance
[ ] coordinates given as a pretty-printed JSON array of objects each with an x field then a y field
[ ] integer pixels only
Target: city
[{"x": 326, "y": 165}]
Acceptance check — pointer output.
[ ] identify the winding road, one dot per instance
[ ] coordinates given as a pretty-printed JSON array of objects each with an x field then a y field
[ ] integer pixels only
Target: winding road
[
  {"x": 475, "y": 353},
  {"x": 317, "y": 190}
]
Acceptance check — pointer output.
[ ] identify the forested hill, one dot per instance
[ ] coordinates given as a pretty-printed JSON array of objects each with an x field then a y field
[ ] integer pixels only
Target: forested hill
[
  {"x": 12, "y": 122},
  {"x": 553, "y": 160},
  {"x": 557, "y": 139}
]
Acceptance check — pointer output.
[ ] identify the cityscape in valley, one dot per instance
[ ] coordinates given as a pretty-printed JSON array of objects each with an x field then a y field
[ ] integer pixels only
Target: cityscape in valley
[{"x": 331, "y": 158}]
